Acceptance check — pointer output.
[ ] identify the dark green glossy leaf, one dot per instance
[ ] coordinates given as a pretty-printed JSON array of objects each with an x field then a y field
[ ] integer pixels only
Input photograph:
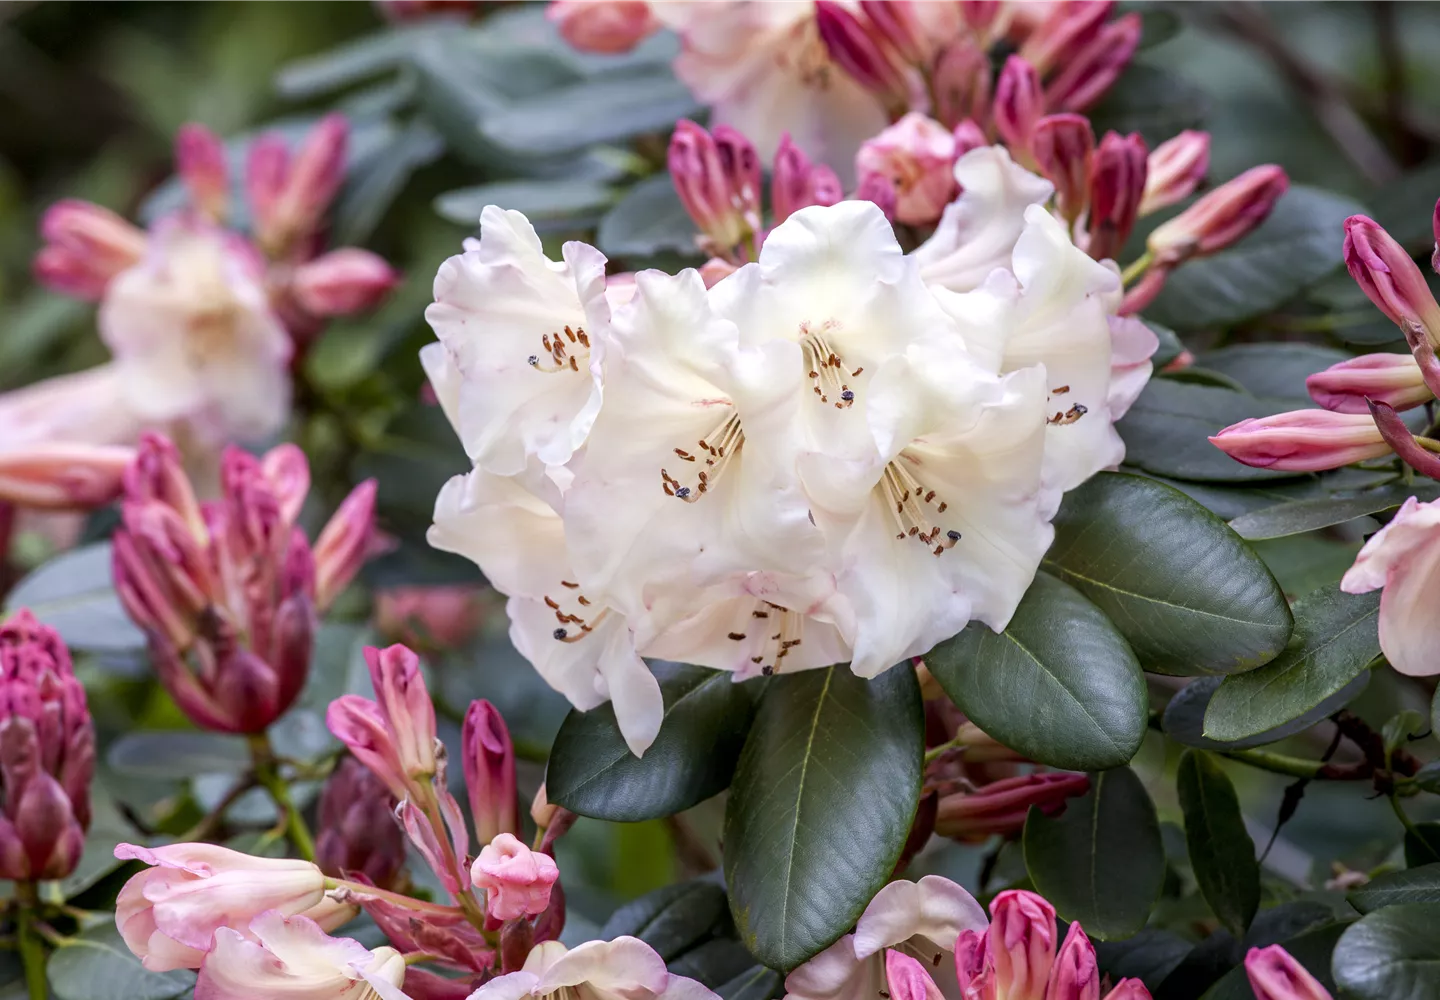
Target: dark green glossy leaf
[
  {"x": 1404, "y": 207},
  {"x": 592, "y": 772},
  {"x": 1422, "y": 844},
  {"x": 1413, "y": 885},
  {"x": 96, "y": 965},
  {"x": 1336, "y": 637},
  {"x": 1170, "y": 346},
  {"x": 1312, "y": 949},
  {"x": 714, "y": 963},
  {"x": 1149, "y": 956},
  {"x": 373, "y": 187},
  {"x": 1322, "y": 512},
  {"x": 1167, "y": 431},
  {"x": 1184, "y": 718},
  {"x": 178, "y": 755},
  {"x": 1101, "y": 861},
  {"x": 353, "y": 62},
  {"x": 72, "y": 593},
  {"x": 1059, "y": 684},
  {"x": 1391, "y": 954},
  {"x": 650, "y": 219},
  {"x": 821, "y": 805},
  {"x": 1276, "y": 370},
  {"x": 1184, "y": 590},
  {"x": 672, "y": 919},
  {"x": 1152, "y": 101},
  {"x": 755, "y": 983},
  {"x": 1296, "y": 246},
  {"x": 1221, "y": 851}
]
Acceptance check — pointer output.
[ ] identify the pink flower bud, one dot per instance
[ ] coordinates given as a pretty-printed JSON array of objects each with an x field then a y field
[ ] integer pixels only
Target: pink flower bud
[
  {"x": 981, "y": 16},
  {"x": 917, "y": 155},
  {"x": 972, "y": 968},
  {"x": 700, "y": 178},
  {"x": 489, "y": 762},
  {"x": 907, "y": 979},
  {"x": 897, "y": 23},
  {"x": 857, "y": 48},
  {"x": 796, "y": 183},
  {"x": 361, "y": 725},
  {"x": 267, "y": 163},
  {"x": 158, "y": 474},
  {"x": 86, "y": 247},
  {"x": 1406, "y": 446},
  {"x": 441, "y": 841},
  {"x": 1067, "y": 31},
  {"x": 715, "y": 270},
  {"x": 1022, "y": 944},
  {"x": 1275, "y": 975},
  {"x": 608, "y": 26},
  {"x": 43, "y": 840},
  {"x": 881, "y": 190},
  {"x": 961, "y": 83},
  {"x": 1175, "y": 170},
  {"x": 1117, "y": 183},
  {"x": 542, "y": 810},
  {"x": 344, "y": 544},
  {"x": 1222, "y": 217},
  {"x": 516, "y": 879},
  {"x": 1390, "y": 378},
  {"x": 66, "y": 477},
  {"x": 1019, "y": 103},
  {"x": 1389, "y": 277},
  {"x": 162, "y": 574},
  {"x": 169, "y": 914},
  {"x": 1435, "y": 226},
  {"x": 1063, "y": 146},
  {"x": 1075, "y": 976},
  {"x": 357, "y": 830},
  {"x": 342, "y": 282},
  {"x": 968, "y": 136},
  {"x": 200, "y": 162},
  {"x": 394, "y": 735},
  {"x": 310, "y": 183},
  {"x": 1129, "y": 989},
  {"x": 741, "y": 165},
  {"x": 288, "y": 471},
  {"x": 1094, "y": 69},
  {"x": 451, "y": 937},
  {"x": 1000, "y": 807},
  {"x": 277, "y": 955},
  {"x": 1303, "y": 440}
]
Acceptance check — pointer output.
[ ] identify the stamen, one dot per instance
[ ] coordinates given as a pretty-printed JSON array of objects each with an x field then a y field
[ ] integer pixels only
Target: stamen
[
  {"x": 721, "y": 446},
  {"x": 558, "y": 356},
  {"x": 1069, "y": 416},
  {"x": 563, "y": 633},
  {"x": 909, "y": 501},
  {"x": 825, "y": 367}
]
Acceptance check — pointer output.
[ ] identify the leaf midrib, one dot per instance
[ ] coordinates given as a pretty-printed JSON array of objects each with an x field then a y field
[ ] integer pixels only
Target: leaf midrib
[
  {"x": 799, "y": 797},
  {"x": 1065, "y": 571}
]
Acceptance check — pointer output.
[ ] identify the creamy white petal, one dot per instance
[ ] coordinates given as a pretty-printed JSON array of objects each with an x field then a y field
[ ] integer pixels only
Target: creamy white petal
[
  {"x": 1404, "y": 558},
  {"x": 444, "y": 378},
  {"x": 526, "y": 334},
  {"x": 933, "y": 908},
  {"x": 836, "y": 974}
]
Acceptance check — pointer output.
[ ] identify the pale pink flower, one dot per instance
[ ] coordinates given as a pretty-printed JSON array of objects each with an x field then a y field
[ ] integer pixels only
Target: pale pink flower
[
  {"x": 596, "y": 970},
  {"x": 394, "y": 735},
  {"x": 168, "y": 915},
  {"x": 344, "y": 281},
  {"x": 1275, "y": 975},
  {"x": 917, "y": 154},
  {"x": 516, "y": 879},
  {"x": 1395, "y": 379},
  {"x": 1404, "y": 558}
]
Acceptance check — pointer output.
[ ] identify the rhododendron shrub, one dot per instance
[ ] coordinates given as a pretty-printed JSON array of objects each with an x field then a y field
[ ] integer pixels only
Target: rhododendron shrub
[{"x": 628, "y": 500}]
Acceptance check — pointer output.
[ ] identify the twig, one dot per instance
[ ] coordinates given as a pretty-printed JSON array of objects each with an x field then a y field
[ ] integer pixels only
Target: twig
[{"x": 695, "y": 857}]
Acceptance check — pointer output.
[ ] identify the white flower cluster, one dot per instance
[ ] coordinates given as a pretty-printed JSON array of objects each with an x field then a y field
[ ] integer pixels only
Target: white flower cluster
[{"x": 837, "y": 453}]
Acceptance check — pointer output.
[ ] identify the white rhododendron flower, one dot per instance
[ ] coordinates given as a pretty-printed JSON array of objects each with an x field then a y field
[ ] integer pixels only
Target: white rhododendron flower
[
  {"x": 194, "y": 337},
  {"x": 1404, "y": 558},
  {"x": 837, "y": 453},
  {"x": 518, "y": 328},
  {"x": 596, "y": 970}
]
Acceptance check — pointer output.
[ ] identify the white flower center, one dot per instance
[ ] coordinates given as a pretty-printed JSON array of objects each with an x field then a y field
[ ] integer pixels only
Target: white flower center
[
  {"x": 716, "y": 450},
  {"x": 772, "y": 632},
  {"x": 914, "y": 507},
  {"x": 567, "y": 351},
  {"x": 825, "y": 367},
  {"x": 574, "y": 625},
  {"x": 1063, "y": 417}
]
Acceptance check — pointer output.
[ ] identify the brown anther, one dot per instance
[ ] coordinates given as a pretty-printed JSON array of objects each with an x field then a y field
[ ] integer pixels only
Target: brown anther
[
  {"x": 857, "y": 371},
  {"x": 571, "y": 334},
  {"x": 941, "y": 508},
  {"x": 776, "y": 635},
  {"x": 567, "y": 583},
  {"x": 584, "y": 601},
  {"x": 929, "y": 496},
  {"x": 759, "y": 614},
  {"x": 685, "y": 455},
  {"x": 939, "y": 549},
  {"x": 756, "y": 659},
  {"x": 1061, "y": 390},
  {"x": 767, "y": 670},
  {"x": 549, "y": 603},
  {"x": 736, "y": 636},
  {"x": 789, "y": 643},
  {"x": 573, "y": 366}
]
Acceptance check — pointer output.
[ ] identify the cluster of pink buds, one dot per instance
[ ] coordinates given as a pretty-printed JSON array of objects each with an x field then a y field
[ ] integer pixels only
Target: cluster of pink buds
[
  {"x": 227, "y": 591},
  {"x": 394, "y": 737},
  {"x": 718, "y": 177},
  {"x": 288, "y": 197},
  {"x": 47, "y": 754},
  {"x": 1361, "y": 396},
  {"x": 1015, "y": 958}
]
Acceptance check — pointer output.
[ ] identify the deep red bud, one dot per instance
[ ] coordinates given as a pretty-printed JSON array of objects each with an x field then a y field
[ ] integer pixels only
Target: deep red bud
[
  {"x": 489, "y": 764},
  {"x": 859, "y": 51},
  {"x": 1116, "y": 186},
  {"x": 1019, "y": 103},
  {"x": 1094, "y": 70},
  {"x": 357, "y": 828},
  {"x": 961, "y": 83},
  {"x": 1063, "y": 146},
  {"x": 1062, "y": 36}
]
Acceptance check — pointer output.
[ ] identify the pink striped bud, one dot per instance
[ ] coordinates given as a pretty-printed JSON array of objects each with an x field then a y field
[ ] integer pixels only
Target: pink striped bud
[
  {"x": 267, "y": 163},
  {"x": 1117, "y": 183},
  {"x": 1075, "y": 976},
  {"x": 86, "y": 247},
  {"x": 608, "y": 26},
  {"x": 859, "y": 50},
  {"x": 516, "y": 879},
  {"x": 741, "y": 165},
  {"x": 288, "y": 472},
  {"x": 907, "y": 979},
  {"x": 1175, "y": 170},
  {"x": 917, "y": 155},
  {"x": 200, "y": 162},
  {"x": 1094, "y": 69},
  {"x": 1001, "y": 806},
  {"x": 880, "y": 190},
  {"x": 1022, "y": 944},
  {"x": 1275, "y": 975},
  {"x": 1389, "y": 277},
  {"x": 982, "y": 16},
  {"x": 357, "y": 829},
  {"x": 343, "y": 281},
  {"x": 1063, "y": 146},
  {"x": 1221, "y": 218},
  {"x": 66, "y": 477},
  {"x": 157, "y": 474},
  {"x": 700, "y": 178},
  {"x": 897, "y": 23},
  {"x": 344, "y": 544},
  {"x": 489, "y": 763},
  {"x": 394, "y": 735},
  {"x": 961, "y": 83},
  {"x": 47, "y": 753},
  {"x": 1019, "y": 103},
  {"x": 1390, "y": 378},
  {"x": 797, "y": 183},
  {"x": 1303, "y": 440},
  {"x": 1069, "y": 29},
  {"x": 310, "y": 183}
]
